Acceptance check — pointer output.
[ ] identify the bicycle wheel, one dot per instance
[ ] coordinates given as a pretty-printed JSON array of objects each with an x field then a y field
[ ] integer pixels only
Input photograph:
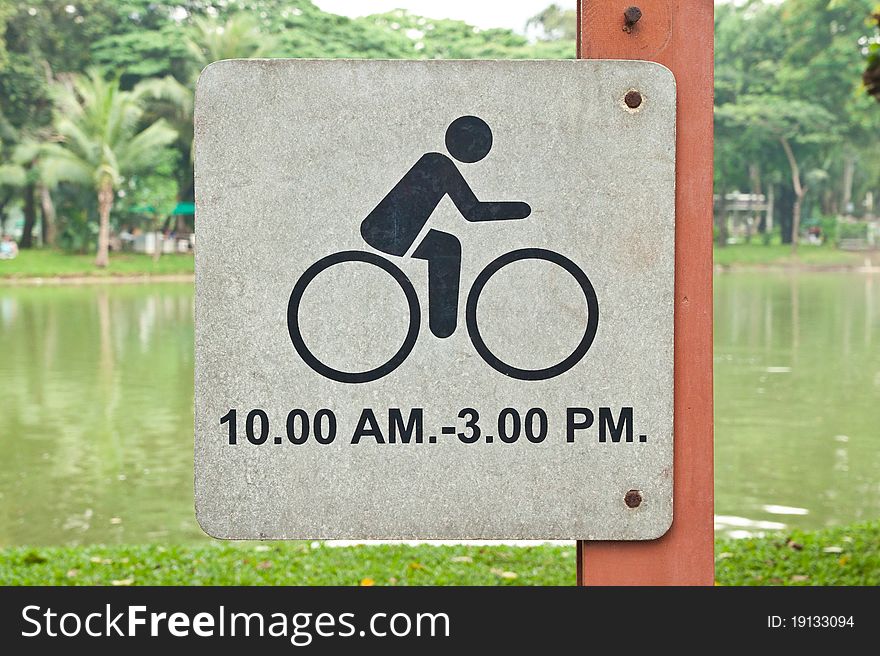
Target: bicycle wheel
[
  {"x": 309, "y": 358},
  {"x": 589, "y": 331}
]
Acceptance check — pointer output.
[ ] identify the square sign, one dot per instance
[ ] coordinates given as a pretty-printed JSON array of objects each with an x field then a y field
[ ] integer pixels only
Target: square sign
[{"x": 434, "y": 299}]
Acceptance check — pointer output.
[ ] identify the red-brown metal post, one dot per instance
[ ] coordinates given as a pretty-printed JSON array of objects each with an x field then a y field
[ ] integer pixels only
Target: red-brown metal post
[{"x": 679, "y": 35}]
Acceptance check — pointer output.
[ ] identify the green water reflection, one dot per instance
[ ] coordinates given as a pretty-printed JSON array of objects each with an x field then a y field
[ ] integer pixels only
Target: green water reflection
[
  {"x": 96, "y": 421},
  {"x": 96, "y": 408},
  {"x": 797, "y": 400}
]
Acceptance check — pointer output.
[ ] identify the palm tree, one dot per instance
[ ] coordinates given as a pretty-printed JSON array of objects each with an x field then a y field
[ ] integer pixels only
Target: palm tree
[
  {"x": 207, "y": 41},
  {"x": 99, "y": 142},
  {"x": 237, "y": 38},
  {"x": 166, "y": 98}
]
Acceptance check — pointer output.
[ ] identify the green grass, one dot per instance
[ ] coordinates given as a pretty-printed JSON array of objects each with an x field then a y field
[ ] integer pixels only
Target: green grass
[
  {"x": 779, "y": 255},
  {"x": 839, "y": 556},
  {"x": 47, "y": 263},
  {"x": 836, "y": 556},
  {"x": 296, "y": 563}
]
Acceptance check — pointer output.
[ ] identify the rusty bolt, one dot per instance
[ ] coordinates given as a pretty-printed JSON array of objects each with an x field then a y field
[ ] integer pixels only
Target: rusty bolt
[
  {"x": 633, "y": 499},
  {"x": 630, "y": 17},
  {"x": 632, "y": 99}
]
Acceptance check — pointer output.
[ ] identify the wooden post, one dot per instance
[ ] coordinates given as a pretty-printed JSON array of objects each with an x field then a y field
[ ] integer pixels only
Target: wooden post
[{"x": 679, "y": 35}]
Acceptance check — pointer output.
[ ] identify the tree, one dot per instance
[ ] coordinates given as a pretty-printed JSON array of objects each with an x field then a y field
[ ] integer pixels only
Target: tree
[
  {"x": 167, "y": 99},
  {"x": 207, "y": 40},
  {"x": 38, "y": 39},
  {"x": 165, "y": 43},
  {"x": 26, "y": 156},
  {"x": 794, "y": 54},
  {"x": 99, "y": 142},
  {"x": 13, "y": 175},
  {"x": 239, "y": 37},
  {"x": 555, "y": 23},
  {"x": 5, "y": 13},
  {"x": 821, "y": 66},
  {"x": 789, "y": 123}
]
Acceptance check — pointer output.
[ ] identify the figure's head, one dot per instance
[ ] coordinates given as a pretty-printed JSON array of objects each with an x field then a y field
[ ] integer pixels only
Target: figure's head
[{"x": 468, "y": 139}]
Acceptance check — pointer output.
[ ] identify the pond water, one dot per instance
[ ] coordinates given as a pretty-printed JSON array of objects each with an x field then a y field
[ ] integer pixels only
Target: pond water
[
  {"x": 96, "y": 393},
  {"x": 96, "y": 408},
  {"x": 797, "y": 400}
]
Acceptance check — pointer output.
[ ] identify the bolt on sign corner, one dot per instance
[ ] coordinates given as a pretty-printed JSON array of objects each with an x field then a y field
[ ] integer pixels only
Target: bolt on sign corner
[{"x": 434, "y": 299}]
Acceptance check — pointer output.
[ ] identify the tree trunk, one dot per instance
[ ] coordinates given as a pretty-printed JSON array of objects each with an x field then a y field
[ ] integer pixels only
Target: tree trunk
[
  {"x": 754, "y": 222},
  {"x": 783, "y": 211},
  {"x": 186, "y": 183},
  {"x": 105, "y": 204},
  {"x": 3, "y": 202},
  {"x": 849, "y": 169},
  {"x": 721, "y": 222},
  {"x": 796, "y": 221},
  {"x": 829, "y": 203},
  {"x": 799, "y": 192},
  {"x": 30, "y": 217},
  {"x": 157, "y": 250},
  {"x": 48, "y": 208}
]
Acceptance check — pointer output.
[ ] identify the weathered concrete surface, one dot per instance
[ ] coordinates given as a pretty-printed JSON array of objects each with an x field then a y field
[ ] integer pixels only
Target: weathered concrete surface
[{"x": 290, "y": 156}]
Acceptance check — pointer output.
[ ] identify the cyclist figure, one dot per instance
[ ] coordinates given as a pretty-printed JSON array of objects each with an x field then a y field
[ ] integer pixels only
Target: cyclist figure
[{"x": 396, "y": 222}]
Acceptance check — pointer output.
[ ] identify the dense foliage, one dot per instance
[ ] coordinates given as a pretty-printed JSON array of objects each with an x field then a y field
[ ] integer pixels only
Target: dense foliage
[
  {"x": 157, "y": 49},
  {"x": 872, "y": 71},
  {"x": 792, "y": 113}
]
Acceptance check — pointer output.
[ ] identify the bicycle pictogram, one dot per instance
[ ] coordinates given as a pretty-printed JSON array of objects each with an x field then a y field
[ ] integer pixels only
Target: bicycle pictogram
[{"x": 395, "y": 224}]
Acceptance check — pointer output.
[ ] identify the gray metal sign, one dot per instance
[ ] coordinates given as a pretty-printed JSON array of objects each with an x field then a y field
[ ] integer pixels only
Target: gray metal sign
[{"x": 434, "y": 299}]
